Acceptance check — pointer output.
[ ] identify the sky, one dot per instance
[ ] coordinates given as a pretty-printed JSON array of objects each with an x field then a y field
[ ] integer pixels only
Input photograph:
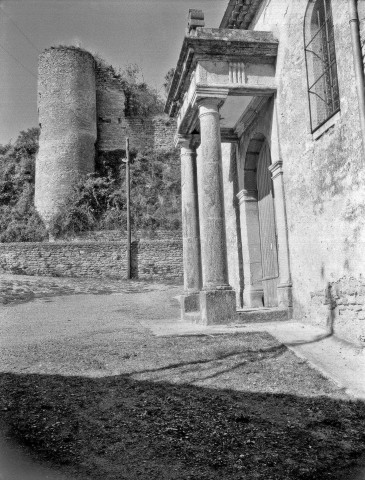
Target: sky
[{"x": 146, "y": 32}]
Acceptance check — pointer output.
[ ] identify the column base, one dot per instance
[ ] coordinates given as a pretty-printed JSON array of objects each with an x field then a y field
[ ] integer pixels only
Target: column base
[
  {"x": 285, "y": 295},
  {"x": 253, "y": 297},
  {"x": 217, "y": 307},
  {"x": 189, "y": 303}
]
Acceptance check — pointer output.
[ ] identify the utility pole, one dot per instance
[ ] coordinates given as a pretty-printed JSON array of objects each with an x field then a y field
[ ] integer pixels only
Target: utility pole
[{"x": 128, "y": 193}]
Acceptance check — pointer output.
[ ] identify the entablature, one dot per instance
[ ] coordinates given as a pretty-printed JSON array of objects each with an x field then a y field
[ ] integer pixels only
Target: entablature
[{"x": 222, "y": 64}]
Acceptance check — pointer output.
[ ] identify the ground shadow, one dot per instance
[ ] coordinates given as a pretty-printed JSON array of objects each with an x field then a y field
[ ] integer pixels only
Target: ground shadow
[{"x": 122, "y": 428}]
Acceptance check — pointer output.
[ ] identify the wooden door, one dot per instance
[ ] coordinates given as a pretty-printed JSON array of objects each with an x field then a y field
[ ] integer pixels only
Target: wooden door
[{"x": 269, "y": 254}]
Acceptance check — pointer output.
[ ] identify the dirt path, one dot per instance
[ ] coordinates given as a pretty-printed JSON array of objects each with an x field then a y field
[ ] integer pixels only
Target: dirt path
[{"x": 86, "y": 386}]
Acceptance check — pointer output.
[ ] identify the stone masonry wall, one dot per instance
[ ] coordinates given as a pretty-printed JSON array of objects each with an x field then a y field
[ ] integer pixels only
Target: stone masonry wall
[
  {"x": 118, "y": 236},
  {"x": 340, "y": 303},
  {"x": 324, "y": 175},
  {"x": 155, "y": 132},
  {"x": 67, "y": 119},
  {"x": 151, "y": 259}
]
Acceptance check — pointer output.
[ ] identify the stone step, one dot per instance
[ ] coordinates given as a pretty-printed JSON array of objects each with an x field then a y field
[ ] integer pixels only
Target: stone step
[
  {"x": 259, "y": 315},
  {"x": 247, "y": 315},
  {"x": 192, "y": 317}
]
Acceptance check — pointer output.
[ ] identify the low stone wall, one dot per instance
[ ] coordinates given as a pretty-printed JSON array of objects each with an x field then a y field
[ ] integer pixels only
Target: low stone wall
[
  {"x": 151, "y": 259},
  {"x": 120, "y": 236}
]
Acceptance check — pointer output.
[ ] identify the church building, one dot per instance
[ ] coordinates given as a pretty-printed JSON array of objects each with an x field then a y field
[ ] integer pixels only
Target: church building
[{"x": 270, "y": 111}]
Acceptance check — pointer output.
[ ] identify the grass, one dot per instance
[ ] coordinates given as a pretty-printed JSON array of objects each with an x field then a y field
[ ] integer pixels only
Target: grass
[{"x": 115, "y": 402}]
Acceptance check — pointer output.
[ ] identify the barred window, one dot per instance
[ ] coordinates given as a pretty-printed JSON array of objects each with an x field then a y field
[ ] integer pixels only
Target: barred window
[{"x": 320, "y": 55}]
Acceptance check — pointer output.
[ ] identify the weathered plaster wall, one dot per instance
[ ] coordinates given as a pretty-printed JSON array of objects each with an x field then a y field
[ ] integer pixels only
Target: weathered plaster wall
[
  {"x": 324, "y": 177},
  {"x": 67, "y": 117},
  {"x": 151, "y": 259}
]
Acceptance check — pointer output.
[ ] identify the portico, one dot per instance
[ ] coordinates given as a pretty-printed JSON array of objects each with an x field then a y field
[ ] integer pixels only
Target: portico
[{"x": 223, "y": 79}]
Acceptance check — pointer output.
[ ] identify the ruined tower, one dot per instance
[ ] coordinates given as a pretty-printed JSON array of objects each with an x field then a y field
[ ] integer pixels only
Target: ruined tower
[
  {"x": 67, "y": 118},
  {"x": 110, "y": 101}
]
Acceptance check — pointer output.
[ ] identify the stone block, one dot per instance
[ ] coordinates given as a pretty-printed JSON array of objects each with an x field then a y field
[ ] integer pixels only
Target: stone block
[
  {"x": 217, "y": 307},
  {"x": 285, "y": 296},
  {"x": 253, "y": 297},
  {"x": 189, "y": 303}
]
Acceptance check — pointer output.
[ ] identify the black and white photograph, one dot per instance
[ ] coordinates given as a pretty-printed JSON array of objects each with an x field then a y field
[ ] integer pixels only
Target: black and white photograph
[{"x": 182, "y": 239}]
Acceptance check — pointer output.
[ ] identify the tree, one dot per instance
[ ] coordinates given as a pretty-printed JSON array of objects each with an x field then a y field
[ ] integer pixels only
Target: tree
[{"x": 19, "y": 220}]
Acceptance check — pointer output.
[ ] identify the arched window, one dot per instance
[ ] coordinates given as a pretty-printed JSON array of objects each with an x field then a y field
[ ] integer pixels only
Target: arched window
[{"x": 320, "y": 55}]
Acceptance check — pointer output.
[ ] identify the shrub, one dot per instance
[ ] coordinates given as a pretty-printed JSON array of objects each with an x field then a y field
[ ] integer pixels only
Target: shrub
[
  {"x": 99, "y": 201},
  {"x": 19, "y": 222}
]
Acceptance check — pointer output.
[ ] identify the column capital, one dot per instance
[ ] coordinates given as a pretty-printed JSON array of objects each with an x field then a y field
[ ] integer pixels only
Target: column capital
[
  {"x": 210, "y": 102},
  {"x": 209, "y": 93},
  {"x": 247, "y": 196},
  {"x": 209, "y": 106},
  {"x": 276, "y": 169},
  {"x": 190, "y": 141},
  {"x": 183, "y": 141}
]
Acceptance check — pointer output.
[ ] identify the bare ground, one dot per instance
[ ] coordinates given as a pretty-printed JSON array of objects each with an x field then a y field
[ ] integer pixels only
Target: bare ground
[{"x": 87, "y": 388}]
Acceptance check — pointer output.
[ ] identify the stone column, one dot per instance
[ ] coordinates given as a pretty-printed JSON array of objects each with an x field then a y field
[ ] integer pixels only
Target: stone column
[
  {"x": 217, "y": 300},
  {"x": 285, "y": 283},
  {"x": 253, "y": 293},
  {"x": 190, "y": 227}
]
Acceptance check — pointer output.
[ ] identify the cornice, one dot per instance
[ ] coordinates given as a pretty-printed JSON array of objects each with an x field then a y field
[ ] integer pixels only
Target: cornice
[
  {"x": 250, "y": 46},
  {"x": 240, "y": 13}
]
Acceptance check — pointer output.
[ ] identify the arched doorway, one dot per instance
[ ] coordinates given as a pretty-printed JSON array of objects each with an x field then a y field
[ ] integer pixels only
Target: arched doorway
[{"x": 258, "y": 184}]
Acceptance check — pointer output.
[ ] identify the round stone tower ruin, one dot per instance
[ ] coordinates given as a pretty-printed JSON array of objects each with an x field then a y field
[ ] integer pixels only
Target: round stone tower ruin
[{"x": 67, "y": 120}]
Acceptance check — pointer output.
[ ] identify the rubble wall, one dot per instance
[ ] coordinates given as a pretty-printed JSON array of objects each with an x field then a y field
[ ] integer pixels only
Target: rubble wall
[
  {"x": 110, "y": 101},
  {"x": 155, "y": 132},
  {"x": 151, "y": 259}
]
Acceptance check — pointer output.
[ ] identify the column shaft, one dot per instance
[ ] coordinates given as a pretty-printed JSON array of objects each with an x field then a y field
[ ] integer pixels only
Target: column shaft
[
  {"x": 190, "y": 219},
  {"x": 251, "y": 248},
  {"x": 210, "y": 186},
  {"x": 285, "y": 284}
]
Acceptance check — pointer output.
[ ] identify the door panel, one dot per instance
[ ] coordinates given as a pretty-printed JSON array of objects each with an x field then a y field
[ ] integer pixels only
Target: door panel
[{"x": 269, "y": 254}]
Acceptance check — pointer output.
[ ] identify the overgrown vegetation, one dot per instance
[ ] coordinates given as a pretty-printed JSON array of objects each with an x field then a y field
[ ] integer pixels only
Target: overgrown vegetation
[
  {"x": 19, "y": 222},
  {"x": 140, "y": 98},
  {"x": 99, "y": 202}
]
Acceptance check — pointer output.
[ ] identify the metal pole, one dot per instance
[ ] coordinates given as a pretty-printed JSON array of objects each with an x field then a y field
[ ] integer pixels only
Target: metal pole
[
  {"x": 358, "y": 63},
  {"x": 128, "y": 193}
]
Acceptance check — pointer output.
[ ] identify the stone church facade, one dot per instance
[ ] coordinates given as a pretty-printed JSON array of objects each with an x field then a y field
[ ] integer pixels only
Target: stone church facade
[{"x": 270, "y": 113}]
